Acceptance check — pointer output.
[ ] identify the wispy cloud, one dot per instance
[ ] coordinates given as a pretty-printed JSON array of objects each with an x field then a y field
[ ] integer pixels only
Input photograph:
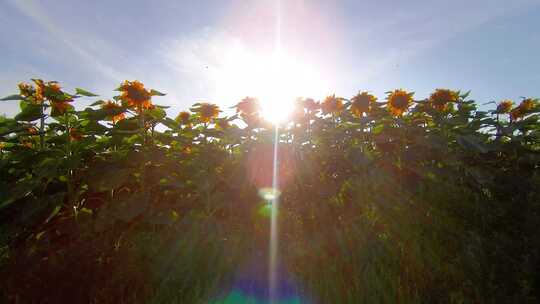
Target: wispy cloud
[{"x": 70, "y": 40}]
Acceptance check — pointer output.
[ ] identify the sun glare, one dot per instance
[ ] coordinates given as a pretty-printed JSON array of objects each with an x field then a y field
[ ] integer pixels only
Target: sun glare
[{"x": 277, "y": 80}]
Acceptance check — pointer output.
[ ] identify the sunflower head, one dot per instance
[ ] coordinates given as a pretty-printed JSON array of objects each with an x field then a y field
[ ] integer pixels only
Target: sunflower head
[
  {"x": 527, "y": 104},
  {"x": 505, "y": 106},
  {"x": 115, "y": 111},
  {"x": 183, "y": 118},
  {"x": 248, "y": 106},
  {"x": 441, "y": 98},
  {"x": 310, "y": 105},
  {"x": 523, "y": 109},
  {"x": 207, "y": 111},
  {"x": 27, "y": 144},
  {"x": 53, "y": 91},
  {"x": 32, "y": 130},
  {"x": 222, "y": 124},
  {"x": 26, "y": 89},
  {"x": 2, "y": 145},
  {"x": 40, "y": 88},
  {"x": 332, "y": 104},
  {"x": 59, "y": 107},
  {"x": 75, "y": 134},
  {"x": 399, "y": 101},
  {"x": 362, "y": 103},
  {"x": 135, "y": 95}
]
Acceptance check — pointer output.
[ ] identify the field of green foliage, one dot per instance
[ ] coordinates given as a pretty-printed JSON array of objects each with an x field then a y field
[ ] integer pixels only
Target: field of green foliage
[{"x": 398, "y": 200}]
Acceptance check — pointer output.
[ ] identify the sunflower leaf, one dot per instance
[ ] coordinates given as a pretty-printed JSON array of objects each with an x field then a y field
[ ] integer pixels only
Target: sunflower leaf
[
  {"x": 12, "y": 97},
  {"x": 82, "y": 92},
  {"x": 29, "y": 112},
  {"x": 156, "y": 93}
]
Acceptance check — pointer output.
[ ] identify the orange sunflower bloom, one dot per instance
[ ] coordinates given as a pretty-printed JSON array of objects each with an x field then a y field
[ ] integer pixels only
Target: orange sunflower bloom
[
  {"x": 310, "y": 104},
  {"x": 527, "y": 104},
  {"x": 75, "y": 134},
  {"x": 441, "y": 98},
  {"x": 505, "y": 106},
  {"x": 399, "y": 101},
  {"x": 59, "y": 107},
  {"x": 516, "y": 113},
  {"x": 222, "y": 124},
  {"x": 32, "y": 131},
  {"x": 26, "y": 89},
  {"x": 183, "y": 118},
  {"x": 332, "y": 104},
  {"x": 53, "y": 91},
  {"x": 135, "y": 95},
  {"x": 248, "y": 106},
  {"x": 27, "y": 144},
  {"x": 116, "y": 110},
  {"x": 208, "y": 111},
  {"x": 40, "y": 88},
  {"x": 118, "y": 117},
  {"x": 362, "y": 103},
  {"x": 523, "y": 109}
]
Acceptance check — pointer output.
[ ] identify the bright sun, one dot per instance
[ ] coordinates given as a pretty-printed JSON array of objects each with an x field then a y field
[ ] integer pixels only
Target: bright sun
[{"x": 276, "y": 80}]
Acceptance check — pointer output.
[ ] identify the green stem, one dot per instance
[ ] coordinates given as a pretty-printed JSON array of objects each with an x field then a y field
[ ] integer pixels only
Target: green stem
[
  {"x": 69, "y": 176},
  {"x": 143, "y": 151},
  {"x": 42, "y": 127}
]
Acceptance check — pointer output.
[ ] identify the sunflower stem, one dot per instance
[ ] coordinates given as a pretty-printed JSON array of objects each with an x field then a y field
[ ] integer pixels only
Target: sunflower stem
[
  {"x": 42, "y": 127},
  {"x": 68, "y": 157}
]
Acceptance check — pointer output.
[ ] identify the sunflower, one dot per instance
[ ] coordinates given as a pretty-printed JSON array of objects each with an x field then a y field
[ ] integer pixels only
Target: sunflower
[
  {"x": 75, "y": 134},
  {"x": 527, "y": 104},
  {"x": 222, "y": 124},
  {"x": 135, "y": 95},
  {"x": 207, "y": 111},
  {"x": 248, "y": 106},
  {"x": 332, "y": 104},
  {"x": 59, "y": 107},
  {"x": 442, "y": 97},
  {"x": 53, "y": 91},
  {"x": 40, "y": 87},
  {"x": 183, "y": 118},
  {"x": 2, "y": 145},
  {"x": 505, "y": 106},
  {"x": 26, "y": 89},
  {"x": 27, "y": 144},
  {"x": 32, "y": 130},
  {"x": 399, "y": 101},
  {"x": 310, "y": 104},
  {"x": 523, "y": 109},
  {"x": 115, "y": 110},
  {"x": 362, "y": 103}
]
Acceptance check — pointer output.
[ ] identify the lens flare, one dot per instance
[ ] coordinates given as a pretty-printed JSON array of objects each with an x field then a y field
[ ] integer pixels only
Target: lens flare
[{"x": 269, "y": 194}]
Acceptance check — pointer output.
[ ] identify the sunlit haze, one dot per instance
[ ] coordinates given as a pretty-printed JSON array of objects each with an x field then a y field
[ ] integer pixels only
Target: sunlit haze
[
  {"x": 222, "y": 51},
  {"x": 275, "y": 78}
]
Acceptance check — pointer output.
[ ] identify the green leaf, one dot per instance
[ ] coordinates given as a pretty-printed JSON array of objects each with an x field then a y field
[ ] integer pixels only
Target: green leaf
[
  {"x": 12, "y": 97},
  {"x": 157, "y": 113},
  {"x": 97, "y": 103},
  {"x": 170, "y": 123},
  {"x": 82, "y": 92},
  {"x": 30, "y": 112},
  {"x": 156, "y": 93}
]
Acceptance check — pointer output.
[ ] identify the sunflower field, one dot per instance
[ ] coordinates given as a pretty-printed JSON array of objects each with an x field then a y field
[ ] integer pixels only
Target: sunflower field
[{"x": 401, "y": 200}]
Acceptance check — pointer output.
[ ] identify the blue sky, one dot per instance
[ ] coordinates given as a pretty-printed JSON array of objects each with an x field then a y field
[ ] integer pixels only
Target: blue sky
[{"x": 207, "y": 50}]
